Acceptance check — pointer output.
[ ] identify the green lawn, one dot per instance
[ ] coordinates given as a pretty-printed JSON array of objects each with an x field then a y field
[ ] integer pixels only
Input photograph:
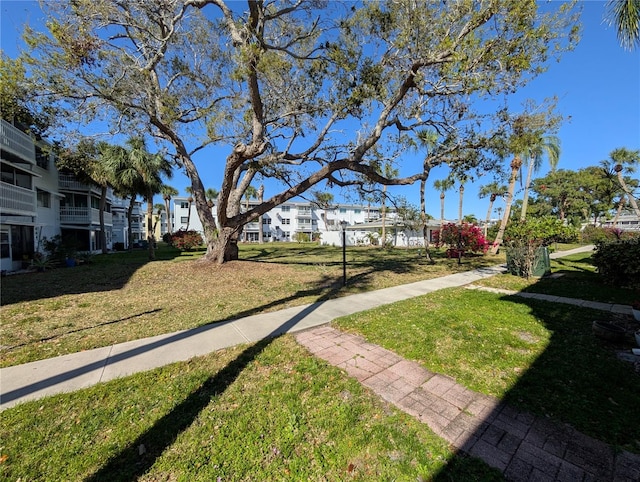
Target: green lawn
[
  {"x": 271, "y": 411},
  {"x": 264, "y": 412}
]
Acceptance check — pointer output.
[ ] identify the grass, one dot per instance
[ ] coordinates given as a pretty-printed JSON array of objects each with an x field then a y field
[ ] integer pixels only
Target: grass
[
  {"x": 574, "y": 277},
  {"x": 535, "y": 355},
  {"x": 270, "y": 411},
  {"x": 122, "y": 297},
  {"x": 263, "y": 412}
]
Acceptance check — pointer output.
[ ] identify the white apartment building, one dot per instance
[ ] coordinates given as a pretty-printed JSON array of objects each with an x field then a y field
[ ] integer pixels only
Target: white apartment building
[
  {"x": 363, "y": 223},
  {"x": 38, "y": 202}
]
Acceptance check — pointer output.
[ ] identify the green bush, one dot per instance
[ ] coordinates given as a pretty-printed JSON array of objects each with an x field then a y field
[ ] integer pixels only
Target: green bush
[
  {"x": 618, "y": 262},
  {"x": 523, "y": 240}
]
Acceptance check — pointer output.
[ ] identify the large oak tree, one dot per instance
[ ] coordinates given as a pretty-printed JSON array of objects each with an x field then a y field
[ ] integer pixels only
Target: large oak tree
[{"x": 299, "y": 91}]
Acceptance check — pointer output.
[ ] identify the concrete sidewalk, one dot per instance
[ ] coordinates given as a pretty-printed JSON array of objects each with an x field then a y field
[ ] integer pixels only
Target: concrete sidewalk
[{"x": 80, "y": 370}]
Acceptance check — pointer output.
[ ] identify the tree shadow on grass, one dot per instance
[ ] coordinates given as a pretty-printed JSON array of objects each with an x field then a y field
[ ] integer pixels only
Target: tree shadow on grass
[
  {"x": 140, "y": 455},
  {"x": 571, "y": 415}
]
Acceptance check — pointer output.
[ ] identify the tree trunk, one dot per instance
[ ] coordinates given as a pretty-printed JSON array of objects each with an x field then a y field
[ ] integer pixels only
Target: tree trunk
[
  {"x": 507, "y": 212},
  {"x": 460, "y": 205},
  {"x": 525, "y": 198},
  {"x": 150, "y": 237},
  {"x": 383, "y": 216},
  {"x": 441, "y": 209},
  {"x": 167, "y": 207},
  {"x": 260, "y": 200},
  {"x": 225, "y": 247},
  {"x": 132, "y": 203},
  {"x": 103, "y": 234},
  {"x": 488, "y": 220},
  {"x": 632, "y": 199},
  {"x": 619, "y": 210},
  {"x": 423, "y": 216}
]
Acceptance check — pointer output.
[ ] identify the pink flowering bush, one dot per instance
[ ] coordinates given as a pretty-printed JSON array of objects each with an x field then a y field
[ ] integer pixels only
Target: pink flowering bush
[
  {"x": 465, "y": 238},
  {"x": 185, "y": 240}
]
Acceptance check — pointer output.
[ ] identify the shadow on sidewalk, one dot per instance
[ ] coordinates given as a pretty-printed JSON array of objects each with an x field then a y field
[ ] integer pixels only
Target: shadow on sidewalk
[{"x": 130, "y": 464}]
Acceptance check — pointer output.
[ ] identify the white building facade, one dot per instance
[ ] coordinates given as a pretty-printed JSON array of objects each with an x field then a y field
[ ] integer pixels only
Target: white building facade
[
  {"x": 38, "y": 203},
  {"x": 287, "y": 221}
]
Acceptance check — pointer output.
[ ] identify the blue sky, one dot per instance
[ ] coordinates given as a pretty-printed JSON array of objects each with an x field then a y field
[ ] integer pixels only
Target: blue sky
[{"x": 597, "y": 84}]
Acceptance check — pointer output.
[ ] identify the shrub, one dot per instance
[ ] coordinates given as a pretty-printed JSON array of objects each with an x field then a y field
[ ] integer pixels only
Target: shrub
[
  {"x": 618, "y": 262},
  {"x": 185, "y": 240},
  {"x": 465, "y": 237},
  {"x": 523, "y": 240},
  {"x": 301, "y": 237}
]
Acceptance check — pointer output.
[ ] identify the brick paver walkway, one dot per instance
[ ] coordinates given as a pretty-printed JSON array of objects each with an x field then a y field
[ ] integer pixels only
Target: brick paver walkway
[{"x": 523, "y": 446}]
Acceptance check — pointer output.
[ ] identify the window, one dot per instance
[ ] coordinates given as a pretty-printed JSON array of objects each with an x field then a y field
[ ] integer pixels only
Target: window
[
  {"x": 356, "y": 211},
  {"x": 184, "y": 219},
  {"x": 44, "y": 199},
  {"x": 287, "y": 234},
  {"x": 5, "y": 252},
  {"x": 266, "y": 220},
  {"x": 184, "y": 205},
  {"x": 15, "y": 177},
  {"x": 286, "y": 221},
  {"x": 286, "y": 209},
  {"x": 343, "y": 210},
  {"x": 95, "y": 202}
]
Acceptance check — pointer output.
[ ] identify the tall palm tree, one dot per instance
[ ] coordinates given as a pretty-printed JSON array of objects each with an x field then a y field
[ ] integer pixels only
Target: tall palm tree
[
  {"x": 443, "y": 185},
  {"x": 493, "y": 190},
  {"x": 159, "y": 208},
  {"x": 516, "y": 164},
  {"x": 461, "y": 192},
  {"x": 388, "y": 171},
  {"x": 625, "y": 161},
  {"x": 167, "y": 192},
  {"x": 541, "y": 145},
  {"x": 625, "y": 16},
  {"x": 428, "y": 140}
]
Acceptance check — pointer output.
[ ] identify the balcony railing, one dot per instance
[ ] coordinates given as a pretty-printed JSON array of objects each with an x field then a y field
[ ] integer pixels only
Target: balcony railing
[
  {"x": 17, "y": 200},
  {"x": 84, "y": 216},
  {"x": 69, "y": 181},
  {"x": 17, "y": 142}
]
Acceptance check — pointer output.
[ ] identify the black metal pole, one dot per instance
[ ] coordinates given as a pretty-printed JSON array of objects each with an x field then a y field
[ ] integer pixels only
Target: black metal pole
[{"x": 344, "y": 257}]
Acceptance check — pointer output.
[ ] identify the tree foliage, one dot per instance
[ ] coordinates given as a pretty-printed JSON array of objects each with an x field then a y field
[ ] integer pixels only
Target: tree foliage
[{"x": 282, "y": 84}]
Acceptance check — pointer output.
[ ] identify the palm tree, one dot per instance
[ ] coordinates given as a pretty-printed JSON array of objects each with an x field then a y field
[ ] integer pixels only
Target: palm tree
[
  {"x": 516, "y": 164},
  {"x": 428, "y": 140},
  {"x": 167, "y": 192},
  {"x": 388, "y": 171},
  {"x": 540, "y": 145},
  {"x": 189, "y": 190},
  {"x": 625, "y": 161},
  {"x": 443, "y": 185},
  {"x": 211, "y": 195},
  {"x": 140, "y": 172},
  {"x": 625, "y": 16},
  {"x": 493, "y": 190},
  {"x": 461, "y": 191},
  {"x": 159, "y": 208}
]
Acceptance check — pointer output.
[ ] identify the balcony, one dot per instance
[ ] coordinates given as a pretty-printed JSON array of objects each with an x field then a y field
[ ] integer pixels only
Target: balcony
[
  {"x": 69, "y": 182},
  {"x": 83, "y": 216},
  {"x": 17, "y": 200},
  {"x": 17, "y": 143},
  {"x": 252, "y": 227}
]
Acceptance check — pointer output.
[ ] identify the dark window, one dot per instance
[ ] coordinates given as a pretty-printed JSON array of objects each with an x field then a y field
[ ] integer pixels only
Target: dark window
[
  {"x": 44, "y": 199},
  {"x": 42, "y": 158}
]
